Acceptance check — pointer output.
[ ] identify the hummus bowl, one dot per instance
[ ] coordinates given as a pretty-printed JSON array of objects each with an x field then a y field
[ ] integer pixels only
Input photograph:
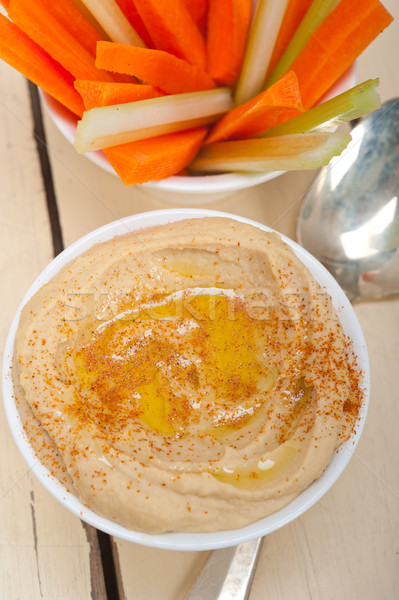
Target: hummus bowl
[{"x": 188, "y": 540}]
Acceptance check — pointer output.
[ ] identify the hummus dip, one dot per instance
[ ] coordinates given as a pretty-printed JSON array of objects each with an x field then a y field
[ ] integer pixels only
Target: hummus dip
[{"x": 186, "y": 377}]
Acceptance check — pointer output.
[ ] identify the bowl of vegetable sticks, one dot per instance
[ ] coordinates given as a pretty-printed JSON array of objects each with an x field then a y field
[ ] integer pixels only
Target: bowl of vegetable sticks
[
  {"x": 201, "y": 97},
  {"x": 183, "y": 188}
]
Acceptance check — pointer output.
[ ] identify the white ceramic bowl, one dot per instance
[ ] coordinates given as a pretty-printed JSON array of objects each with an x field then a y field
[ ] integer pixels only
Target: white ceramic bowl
[
  {"x": 190, "y": 190},
  {"x": 188, "y": 541}
]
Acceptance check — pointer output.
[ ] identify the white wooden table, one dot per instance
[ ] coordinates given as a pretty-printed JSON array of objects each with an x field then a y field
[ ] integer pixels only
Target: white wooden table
[{"x": 346, "y": 547}]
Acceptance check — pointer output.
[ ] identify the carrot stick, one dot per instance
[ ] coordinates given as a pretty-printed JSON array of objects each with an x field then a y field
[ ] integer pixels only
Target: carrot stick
[
  {"x": 198, "y": 10},
  {"x": 22, "y": 53},
  {"x": 335, "y": 45},
  {"x": 103, "y": 93},
  {"x": 69, "y": 16},
  {"x": 280, "y": 102},
  {"x": 160, "y": 69},
  {"x": 172, "y": 29},
  {"x": 40, "y": 24},
  {"x": 155, "y": 158},
  {"x": 131, "y": 13},
  {"x": 228, "y": 23},
  {"x": 318, "y": 11},
  {"x": 294, "y": 14}
]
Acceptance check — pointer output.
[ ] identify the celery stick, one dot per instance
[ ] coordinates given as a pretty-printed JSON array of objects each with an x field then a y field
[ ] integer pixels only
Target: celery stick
[
  {"x": 262, "y": 37},
  {"x": 352, "y": 104},
  {"x": 286, "y": 153},
  {"x": 108, "y": 14},
  {"x": 122, "y": 123},
  {"x": 316, "y": 14}
]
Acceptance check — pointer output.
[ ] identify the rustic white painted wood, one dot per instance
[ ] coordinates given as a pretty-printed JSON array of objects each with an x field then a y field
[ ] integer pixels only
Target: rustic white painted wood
[{"x": 345, "y": 547}]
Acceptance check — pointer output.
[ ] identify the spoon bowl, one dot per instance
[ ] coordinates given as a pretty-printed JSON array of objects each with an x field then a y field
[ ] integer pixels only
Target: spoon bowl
[{"x": 349, "y": 219}]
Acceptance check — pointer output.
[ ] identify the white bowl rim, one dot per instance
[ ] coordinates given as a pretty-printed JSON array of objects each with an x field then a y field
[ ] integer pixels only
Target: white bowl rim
[{"x": 189, "y": 541}]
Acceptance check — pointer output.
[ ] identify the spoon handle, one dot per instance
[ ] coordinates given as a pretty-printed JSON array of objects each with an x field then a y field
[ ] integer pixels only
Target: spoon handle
[{"x": 228, "y": 573}]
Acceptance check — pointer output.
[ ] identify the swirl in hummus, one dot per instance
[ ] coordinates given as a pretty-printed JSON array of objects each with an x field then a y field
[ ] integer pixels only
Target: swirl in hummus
[{"x": 186, "y": 377}]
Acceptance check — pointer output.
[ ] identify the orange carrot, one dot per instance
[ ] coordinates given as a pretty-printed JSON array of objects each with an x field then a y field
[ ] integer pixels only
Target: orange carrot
[
  {"x": 277, "y": 104},
  {"x": 172, "y": 29},
  {"x": 160, "y": 69},
  {"x": 198, "y": 10},
  {"x": 155, "y": 158},
  {"x": 228, "y": 23},
  {"x": 69, "y": 16},
  {"x": 131, "y": 13},
  {"x": 41, "y": 25},
  {"x": 22, "y": 53},
  {"x": 104, "y": 93},
  {"x": 294, "y": 14},
  {"x": 335, "y": 45},
  {"x": 5, "y": 3}
]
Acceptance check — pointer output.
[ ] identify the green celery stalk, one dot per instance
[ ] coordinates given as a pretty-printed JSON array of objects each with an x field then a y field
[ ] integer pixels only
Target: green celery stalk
[
  {"x": 121, "y": 123},
  {"x": 352, "y": 104},
  {"x": 316, "y": 14},
  {"x": 261, "y": 39},
  {"x": 301, "y": 151}
]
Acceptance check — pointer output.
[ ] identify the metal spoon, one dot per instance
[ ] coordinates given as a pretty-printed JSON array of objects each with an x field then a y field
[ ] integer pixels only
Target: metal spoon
[
  {"x": 350, "y": 216},
  {"x": 228, "y": 573}
]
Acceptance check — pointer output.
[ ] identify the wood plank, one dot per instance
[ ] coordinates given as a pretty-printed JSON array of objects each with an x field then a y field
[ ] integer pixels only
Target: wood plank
[{"x": 44, "y": 551}]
